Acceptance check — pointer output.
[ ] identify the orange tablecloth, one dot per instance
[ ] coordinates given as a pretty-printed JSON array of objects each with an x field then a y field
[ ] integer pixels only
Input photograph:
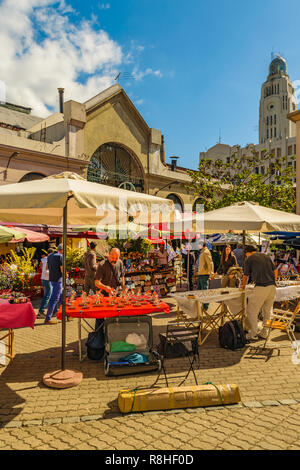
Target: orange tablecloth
[{"x": 113, "y": 311}]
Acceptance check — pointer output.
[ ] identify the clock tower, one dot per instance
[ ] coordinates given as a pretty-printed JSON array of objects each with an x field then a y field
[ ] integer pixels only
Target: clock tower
[{"x": 277, "y": 100}]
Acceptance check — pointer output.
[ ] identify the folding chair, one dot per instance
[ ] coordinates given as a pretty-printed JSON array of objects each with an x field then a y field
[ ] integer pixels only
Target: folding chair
[
  {"x": 187, "y": 334},
  {"x": 283, "y": 320}
]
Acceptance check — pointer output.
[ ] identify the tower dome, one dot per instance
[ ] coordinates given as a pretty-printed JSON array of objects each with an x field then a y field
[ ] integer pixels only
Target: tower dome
[{"x": 278, "y": 66}]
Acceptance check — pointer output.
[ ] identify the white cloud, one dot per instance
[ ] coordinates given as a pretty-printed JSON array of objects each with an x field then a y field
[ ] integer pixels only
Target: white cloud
[
  {"x": 140, "y": 74},
  {"x": 45, "y": 45},
  {"x": 104, "y": 6},
  {"x": 139, "y": 102},
  {"x": 41, "y": 50}
]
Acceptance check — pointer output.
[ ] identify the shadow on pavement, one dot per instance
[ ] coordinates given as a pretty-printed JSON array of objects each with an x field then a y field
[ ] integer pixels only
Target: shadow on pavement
[{"x": 10, "y": 403}]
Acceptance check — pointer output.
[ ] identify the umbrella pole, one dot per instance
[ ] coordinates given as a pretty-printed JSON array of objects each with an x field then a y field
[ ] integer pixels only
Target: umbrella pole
[
  {"x": 64, "y": 261},
  {"x": 188, "y": 269},
  {"x": 63, "y": 378},
  {"x": 244, "y": 243}
]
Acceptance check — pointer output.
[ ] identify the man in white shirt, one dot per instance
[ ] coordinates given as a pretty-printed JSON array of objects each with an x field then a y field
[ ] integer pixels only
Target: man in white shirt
[
  {"x": 162, "y": 256},
  {"x": 46, "y": 284}
]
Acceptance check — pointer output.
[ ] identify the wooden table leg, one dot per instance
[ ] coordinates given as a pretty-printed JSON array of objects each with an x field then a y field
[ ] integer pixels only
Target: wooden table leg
[{"x": 9, "y": 336}]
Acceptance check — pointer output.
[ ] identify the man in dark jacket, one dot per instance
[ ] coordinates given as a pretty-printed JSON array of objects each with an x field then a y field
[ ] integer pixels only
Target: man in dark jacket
[{"x": 90, "y": 265}]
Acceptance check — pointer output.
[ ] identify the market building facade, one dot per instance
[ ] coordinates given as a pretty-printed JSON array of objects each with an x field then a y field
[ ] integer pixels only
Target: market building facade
[{"x": 105, "y": 140}]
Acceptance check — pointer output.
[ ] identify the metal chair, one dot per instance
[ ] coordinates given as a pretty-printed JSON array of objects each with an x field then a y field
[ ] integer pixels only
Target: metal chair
[
  {"x": 283, "y": 320},
  {"x": 184, "y": 337}
]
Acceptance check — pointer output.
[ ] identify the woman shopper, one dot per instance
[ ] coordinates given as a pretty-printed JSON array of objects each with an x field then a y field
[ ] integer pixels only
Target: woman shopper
[
  {"x": 228, "y": 261},
  {"x": 45, "y": 283}
]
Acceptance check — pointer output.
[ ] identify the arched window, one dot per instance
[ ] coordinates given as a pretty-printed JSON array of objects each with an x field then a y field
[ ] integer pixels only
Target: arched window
[
  {"x": 113, "y": 165},
  {"x": 176, "y": 200},
  {"x": 198, "y": 202},
  {"x": 31, "y": 177}
]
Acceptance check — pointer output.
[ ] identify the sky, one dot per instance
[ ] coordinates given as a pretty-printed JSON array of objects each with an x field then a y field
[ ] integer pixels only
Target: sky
[{"x": 193, "y": 69}]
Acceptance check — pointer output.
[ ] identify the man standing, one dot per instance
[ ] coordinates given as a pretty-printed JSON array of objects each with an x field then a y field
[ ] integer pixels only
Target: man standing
[
  {"x": 162, "y": 256},
  {"x": 109, "y": 276},
  {"x": 110, "y": 272},
  {"x": 46, "y": 284},
  {"x": 55, "y": 277},
  {"x": 264, "y": 275},
  {"x": 205, "y": 269},
  {"x": 90, "y": 265},
  {"x": 239, "y": 254}
]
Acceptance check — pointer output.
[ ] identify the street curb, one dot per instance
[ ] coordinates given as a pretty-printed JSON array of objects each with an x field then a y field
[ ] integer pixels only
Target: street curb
[{"x": 84, "y": 419}]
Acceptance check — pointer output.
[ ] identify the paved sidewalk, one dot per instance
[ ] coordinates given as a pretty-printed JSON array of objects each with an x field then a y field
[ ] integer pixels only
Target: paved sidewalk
[{"x": 33, "y": 416}]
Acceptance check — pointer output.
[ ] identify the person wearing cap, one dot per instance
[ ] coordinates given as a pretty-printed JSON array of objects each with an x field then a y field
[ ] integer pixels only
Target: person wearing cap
[
  {"x": 54, "y": 265},
  {"x": 90, "y": 265},
  {"x": 263, "y": 274}
]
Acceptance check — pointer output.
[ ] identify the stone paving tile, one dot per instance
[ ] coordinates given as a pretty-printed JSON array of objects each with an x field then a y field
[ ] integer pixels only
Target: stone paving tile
[{"x": 87, "y": 417}]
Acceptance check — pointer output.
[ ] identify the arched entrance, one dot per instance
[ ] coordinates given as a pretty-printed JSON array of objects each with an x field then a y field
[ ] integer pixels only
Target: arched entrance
[
  {"x": 198, "y": 205},
  {"x": 31, "y": 177},
  {"x": 176, "y": 200},
  {"x": 114, "y": 165}
]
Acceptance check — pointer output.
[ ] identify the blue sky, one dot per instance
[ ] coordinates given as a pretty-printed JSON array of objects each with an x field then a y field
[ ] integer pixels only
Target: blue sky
[{"x": 198, "y": 65}]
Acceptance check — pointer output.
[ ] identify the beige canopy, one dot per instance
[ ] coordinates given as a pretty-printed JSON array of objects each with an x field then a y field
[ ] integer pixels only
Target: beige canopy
[
  {"x": 43, "y": 201},
  {"x": 250, "y": 217},
  {"x": 68, "y": 198}
]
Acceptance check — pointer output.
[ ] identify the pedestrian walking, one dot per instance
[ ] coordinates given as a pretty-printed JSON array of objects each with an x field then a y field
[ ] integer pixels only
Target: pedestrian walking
[
  {"x": 55, "y": 277},
  {"x": 45, "y": 283}
]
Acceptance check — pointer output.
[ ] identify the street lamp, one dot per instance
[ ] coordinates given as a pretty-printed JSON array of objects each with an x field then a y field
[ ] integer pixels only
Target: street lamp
[{"x": 12, "y": 155}]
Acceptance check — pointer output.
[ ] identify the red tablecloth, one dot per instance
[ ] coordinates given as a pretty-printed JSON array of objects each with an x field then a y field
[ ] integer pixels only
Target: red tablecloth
[
  {"x": 113, "y": 311},
  {"x": 16, "y": 315}
]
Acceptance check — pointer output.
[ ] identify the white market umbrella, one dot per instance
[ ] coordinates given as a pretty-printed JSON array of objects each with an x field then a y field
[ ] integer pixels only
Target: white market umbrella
[
  {"x": 250, "y": 217},
  {"x": 70, "y": 199}
]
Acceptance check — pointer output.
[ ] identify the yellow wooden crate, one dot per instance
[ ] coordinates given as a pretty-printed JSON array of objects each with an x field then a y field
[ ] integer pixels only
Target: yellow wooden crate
[{"x": 177, "y": 397}]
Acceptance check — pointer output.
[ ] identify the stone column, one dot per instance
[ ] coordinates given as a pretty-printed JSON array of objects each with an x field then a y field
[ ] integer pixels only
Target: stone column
[{"x": 75, "y": 119}]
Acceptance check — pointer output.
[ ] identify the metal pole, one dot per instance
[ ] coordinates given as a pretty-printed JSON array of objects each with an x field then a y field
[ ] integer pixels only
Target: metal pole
[
  {"x": 63, "y": 319},
  {"x": 244, "y": 243},
  {"x": 188, "y": 269}
]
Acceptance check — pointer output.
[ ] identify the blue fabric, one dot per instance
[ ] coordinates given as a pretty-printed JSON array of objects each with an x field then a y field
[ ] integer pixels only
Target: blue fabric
[
  {"x": 134, "y": 358},
  {"x": 54, "y": 265},
  {"x": 56, "y": 296},
  {"x": 202, "y": 284},
  {"x": 47, "y": 294}
]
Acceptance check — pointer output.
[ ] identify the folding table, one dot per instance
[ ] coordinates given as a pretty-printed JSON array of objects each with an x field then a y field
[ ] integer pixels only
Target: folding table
[
  {"x": 106, "y": 311},
  {"x": 230, "y": 305}
]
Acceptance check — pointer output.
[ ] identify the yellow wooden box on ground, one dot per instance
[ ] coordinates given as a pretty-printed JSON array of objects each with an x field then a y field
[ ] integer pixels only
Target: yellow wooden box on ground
[{"x": 177, "y": 397}]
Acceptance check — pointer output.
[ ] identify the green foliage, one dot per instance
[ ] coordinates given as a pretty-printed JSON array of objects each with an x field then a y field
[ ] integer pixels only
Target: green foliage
[
  {"x": 20, "y": 268},
  {"x": 74, "y": 258},
  {"x": 219, "y": 184},
  {"x": 128, "y": 245}
]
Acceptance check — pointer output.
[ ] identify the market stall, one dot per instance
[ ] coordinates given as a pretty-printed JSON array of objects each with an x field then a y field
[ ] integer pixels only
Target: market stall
[
  {"x": 98, "y": 306},
  {"x": 230, "y": 304},
  {"x": 68, "y": 198},
  {"x": 142, "y": 272},
  {"x": 191, "y": 303}
]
